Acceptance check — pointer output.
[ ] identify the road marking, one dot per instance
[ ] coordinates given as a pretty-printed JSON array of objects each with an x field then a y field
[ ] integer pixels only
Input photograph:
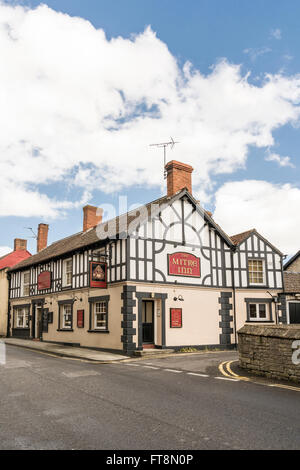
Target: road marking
[
  {"x": 150, "y": 367},
  {"x": 227, "y": 378},
  {"x": 289, "y": 387},
  {"x": 83, "y": 373},
  {"x": 221, "y": 369},
  {"x": 173, "y": 370},
  {"x": 199, "y": 375},
  {"x": 132, "y": 365}
]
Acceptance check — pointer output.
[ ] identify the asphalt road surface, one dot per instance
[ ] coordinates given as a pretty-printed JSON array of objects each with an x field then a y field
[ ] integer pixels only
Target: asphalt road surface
[{"x": 171, "y": 403}]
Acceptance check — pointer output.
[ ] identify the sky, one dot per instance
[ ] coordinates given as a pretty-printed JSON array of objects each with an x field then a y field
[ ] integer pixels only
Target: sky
[{"x": 87, "y": 86}]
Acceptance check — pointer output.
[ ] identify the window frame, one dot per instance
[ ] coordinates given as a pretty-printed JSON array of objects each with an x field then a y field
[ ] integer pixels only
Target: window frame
[
  {"x": 263, "y": 263},
  {"x": 92, "y": 303},
  {"x": 27, "y": 285},
  {"x": 61, "y": 315},
  {"x": 259, "y": 301},
  {"x": 65, "y": 273},
  {"x": 25, "y": 312}
]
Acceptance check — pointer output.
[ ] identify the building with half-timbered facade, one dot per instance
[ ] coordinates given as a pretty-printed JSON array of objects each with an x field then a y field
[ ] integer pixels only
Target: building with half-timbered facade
[{"x": 165, "y": 275}]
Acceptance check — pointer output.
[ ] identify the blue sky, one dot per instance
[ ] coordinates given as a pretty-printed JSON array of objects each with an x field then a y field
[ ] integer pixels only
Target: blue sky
[{"x": 261, "y": 36}]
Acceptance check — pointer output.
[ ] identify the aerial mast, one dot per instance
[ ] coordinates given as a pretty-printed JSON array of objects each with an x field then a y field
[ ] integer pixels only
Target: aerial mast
[{"x": 165, "y": 145}]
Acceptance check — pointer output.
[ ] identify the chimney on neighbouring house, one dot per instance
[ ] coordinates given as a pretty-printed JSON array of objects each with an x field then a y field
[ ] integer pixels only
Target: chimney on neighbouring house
[
  {"x": 20, "y": 244},
  {"x": 92, "y": 216},
  {"x": 179, "y": 176},
  {"x": 42, "y": 237}
]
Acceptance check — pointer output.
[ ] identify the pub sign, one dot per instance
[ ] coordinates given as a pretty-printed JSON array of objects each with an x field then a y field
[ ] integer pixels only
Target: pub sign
[
  {"x": 175, "y": 317},
  {"x": 98, "y": 274},
  {"x": 44, "y": 280},
  {"x": 183, "y": 264}
]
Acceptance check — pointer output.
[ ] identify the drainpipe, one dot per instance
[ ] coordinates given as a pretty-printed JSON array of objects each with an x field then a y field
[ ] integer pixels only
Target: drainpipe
[
  {"x": 8, "y": 306},
  {"x": 234, "y": 306}
]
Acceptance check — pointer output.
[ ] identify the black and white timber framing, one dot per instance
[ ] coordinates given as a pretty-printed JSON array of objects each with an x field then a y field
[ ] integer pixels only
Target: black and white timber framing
[{"x": 179, "y": 226}]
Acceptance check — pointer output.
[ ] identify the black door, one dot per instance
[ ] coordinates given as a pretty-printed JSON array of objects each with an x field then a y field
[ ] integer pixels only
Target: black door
[
  {"x": 148, "y": 321},
  {"x": 294, "y": 309}
]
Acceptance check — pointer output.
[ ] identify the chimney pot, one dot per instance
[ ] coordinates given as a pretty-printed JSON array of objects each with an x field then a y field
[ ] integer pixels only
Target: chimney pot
[
  {"x": 20, "y": 244},
  {"x": 92, "y": 216},
  {"x": 42, "y": 237},
  {"x": 179, "y": 176}
]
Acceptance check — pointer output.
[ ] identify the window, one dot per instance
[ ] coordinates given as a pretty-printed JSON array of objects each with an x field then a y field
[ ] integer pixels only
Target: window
[
  {"x": 257, "y": 311},
  {"x": 98, "y": 321},
  {"x": 256, "y": 271},
  {"x": 100, "y": 315},
  {"x": 66, "y": 316},
  {"x": 22, "y": 317},
  {"x": 67, "y": 272},
  {"x": 25, "y": 283}
]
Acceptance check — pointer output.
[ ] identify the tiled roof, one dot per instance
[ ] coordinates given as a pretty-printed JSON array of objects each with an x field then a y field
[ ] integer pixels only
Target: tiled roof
[
  {"x": 291, "y": 282},
  {"x": 114, "y": 227},
  {"x": 13, "y": 258},
  {"x": 90, "y": 237},
  {"x": 291, "y": 260},
  {"x": 240, "y": 237}
]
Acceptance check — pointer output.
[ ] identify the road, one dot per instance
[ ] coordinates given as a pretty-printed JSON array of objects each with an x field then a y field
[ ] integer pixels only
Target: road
[{"x": 171, "y": 403}]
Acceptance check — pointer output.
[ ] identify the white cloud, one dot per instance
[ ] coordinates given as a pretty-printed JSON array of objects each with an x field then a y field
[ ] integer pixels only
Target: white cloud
[
  {"x": 282, "y": 161},
  {"x": 254, "y": 53},
  {"x": 80, "y": 109},
  {"x": 272, "y": 209},
  {"x": 276, "y": 33},
  {"x": 4, "y": 250}
]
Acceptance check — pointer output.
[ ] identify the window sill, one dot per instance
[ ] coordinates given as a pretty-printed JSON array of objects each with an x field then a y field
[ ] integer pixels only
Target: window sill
[
  {"x": 259, "y": 321},
  {"x": 65, "y": 329},
  {"x": 98, "y": 331}
]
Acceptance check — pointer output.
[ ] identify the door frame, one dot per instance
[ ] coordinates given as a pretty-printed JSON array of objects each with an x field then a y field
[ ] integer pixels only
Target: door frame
[
  {"x": 151, "y": 296},
  {"x": 144, "y": 301},
  {"x": 38, "y": 303},
  {"x": 288, "y": 311}
]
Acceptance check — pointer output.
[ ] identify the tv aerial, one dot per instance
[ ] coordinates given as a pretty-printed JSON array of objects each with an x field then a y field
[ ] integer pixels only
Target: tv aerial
[{"x": 165, "y": 145}]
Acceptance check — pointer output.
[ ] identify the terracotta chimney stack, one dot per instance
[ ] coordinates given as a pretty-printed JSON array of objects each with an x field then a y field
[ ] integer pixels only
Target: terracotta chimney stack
[
  {"x": 20, "y": 244},
  {"x": 42, "y": 238},
  {"x": 179, "y": 176},
  {"x": 92, "y": 216}
]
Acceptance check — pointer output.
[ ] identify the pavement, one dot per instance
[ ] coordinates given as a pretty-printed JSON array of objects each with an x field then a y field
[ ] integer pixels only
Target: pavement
[
  {"x": 66, "y": 351},
  {"x": 176, "y": 402}
]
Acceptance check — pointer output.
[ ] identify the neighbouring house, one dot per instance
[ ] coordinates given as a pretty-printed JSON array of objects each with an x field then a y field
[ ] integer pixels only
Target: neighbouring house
[
  {"x": 164, "y": 275},
  {"x": 291, "y": 295},
  {"x": 20, "y": 253}
]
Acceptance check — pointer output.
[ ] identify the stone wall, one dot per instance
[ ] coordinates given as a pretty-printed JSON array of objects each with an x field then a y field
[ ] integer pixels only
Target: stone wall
[{"x": 267, "y": 350}]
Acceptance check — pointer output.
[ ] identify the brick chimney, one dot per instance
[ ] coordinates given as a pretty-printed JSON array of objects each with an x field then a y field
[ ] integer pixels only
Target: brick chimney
[
  {"x": 42, "y": 238},
  {"x": 20, "y": 244},
  {"x": 179, "y": 176},
  {"x": 92, "y": 216}
]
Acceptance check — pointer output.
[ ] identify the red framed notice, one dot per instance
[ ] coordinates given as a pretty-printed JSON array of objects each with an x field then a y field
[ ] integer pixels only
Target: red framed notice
[
  {"x": 98, "y": 274},
  {"x": 175, "y": 317},
  {"x": 184, "y": 264},
  {"x": 44, "y": 280},
  {"x": 80, "y": 318}
]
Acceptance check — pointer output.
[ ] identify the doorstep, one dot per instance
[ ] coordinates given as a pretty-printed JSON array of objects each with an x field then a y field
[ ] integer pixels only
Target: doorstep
[
  {"x": 65, "y": 351},
  {"x": 150, "y": 352}
]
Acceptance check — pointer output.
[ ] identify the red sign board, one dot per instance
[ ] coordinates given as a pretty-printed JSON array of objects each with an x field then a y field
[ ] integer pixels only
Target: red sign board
[
  {"x": 80, "y": 318},
  {"x": 184, "y": 264},
  {"x": 98, "y": 274},
  {"x": 176, "y": 317},
  {"x": 44, "y": 280}
]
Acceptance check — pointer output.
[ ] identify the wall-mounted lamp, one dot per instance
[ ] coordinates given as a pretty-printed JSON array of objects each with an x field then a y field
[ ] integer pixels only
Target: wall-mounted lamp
[{"x": 179, "y": 298}]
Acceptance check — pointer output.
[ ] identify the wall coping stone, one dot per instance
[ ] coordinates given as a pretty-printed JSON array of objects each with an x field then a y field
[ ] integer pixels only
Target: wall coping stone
[{"x": 273, "y": 331}]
